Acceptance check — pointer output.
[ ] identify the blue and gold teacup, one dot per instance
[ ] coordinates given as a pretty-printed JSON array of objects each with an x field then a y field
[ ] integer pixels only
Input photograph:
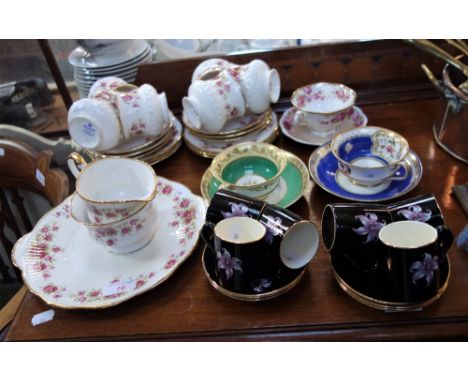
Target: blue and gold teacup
[{"x": 370, "y": 156}]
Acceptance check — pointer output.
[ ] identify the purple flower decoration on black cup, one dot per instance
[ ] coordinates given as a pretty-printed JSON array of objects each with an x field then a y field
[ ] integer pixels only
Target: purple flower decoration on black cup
[
  {"x": 261, "y": 284},
  {"x": 273, "y": 228},
  {"x": 237, "y": 209},
  {"x": 228, "y": 263},
  {"x": 425, "y": 268},
  {"x": 370, "y": 226},
  {"x": 416, "y": 213}
]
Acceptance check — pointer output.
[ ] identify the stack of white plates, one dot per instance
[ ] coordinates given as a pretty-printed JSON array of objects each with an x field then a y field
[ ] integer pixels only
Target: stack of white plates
[{"x": 121, "y": 61}]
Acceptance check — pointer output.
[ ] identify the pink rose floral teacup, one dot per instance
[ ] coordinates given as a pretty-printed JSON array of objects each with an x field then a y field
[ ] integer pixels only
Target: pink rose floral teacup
[
  {"x": 125, "y": 235},
  {"x": 113, "y": 189},
  {"x": 322, "y": 106}
]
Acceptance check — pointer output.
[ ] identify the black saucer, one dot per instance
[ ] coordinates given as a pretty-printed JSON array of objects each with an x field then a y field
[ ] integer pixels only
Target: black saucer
[
  {"x": 283, "y": 284},
  {"x": 375, "y": 290}
]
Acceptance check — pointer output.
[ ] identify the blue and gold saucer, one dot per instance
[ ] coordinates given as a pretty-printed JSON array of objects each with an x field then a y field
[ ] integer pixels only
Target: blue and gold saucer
[{"x": 323, "y": 168}]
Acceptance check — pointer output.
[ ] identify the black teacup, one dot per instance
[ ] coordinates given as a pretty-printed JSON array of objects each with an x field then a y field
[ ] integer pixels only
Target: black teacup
[
  {"x": 414, "y": 252},
  {"x": 225, "y": 204},
  {"x": 295, "y": 239},
  {"x": 240, "y": 253},
  {"x": 351, "y": 231},
  {"x": 422, "y": 208}
]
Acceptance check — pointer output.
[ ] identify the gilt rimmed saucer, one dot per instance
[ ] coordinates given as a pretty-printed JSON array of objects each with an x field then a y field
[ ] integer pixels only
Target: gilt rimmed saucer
[
  {"x": 261, "y": 292},
  {"x": 139, "y": 144},
  {"x": 323, "y": 167},
  {"x": 156, "y": 152},
  {"x": 67, "y": 269},
  {"x": 208, "y": 148},
  {"x": 300, "y": 133},
  {"x": 375, "y": 291},
  {"x": 293, "y": 184},
  {"x": 233, "y": 128},
  {"x": 170, "y": 147}
]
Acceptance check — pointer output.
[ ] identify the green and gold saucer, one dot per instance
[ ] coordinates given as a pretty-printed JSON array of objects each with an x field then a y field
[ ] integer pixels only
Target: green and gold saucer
[{"x": 294, "y": 182}]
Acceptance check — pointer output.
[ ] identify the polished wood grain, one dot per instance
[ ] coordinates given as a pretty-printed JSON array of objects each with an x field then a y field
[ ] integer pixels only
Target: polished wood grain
[
  {"x": 186, "y": 307},
  {"x": 378, "y": 70},
  {"x": 9, "y": 310}
]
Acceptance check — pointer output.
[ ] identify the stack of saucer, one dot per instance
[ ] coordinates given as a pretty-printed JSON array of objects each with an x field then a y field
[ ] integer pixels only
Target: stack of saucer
[
  {"x": 257, "y": 170},
  {"x": 248, "y": 128},
  {"x": 122, "y": 120},
  {"x": 147, "y": 149},
  {"x": 228, "y": 104},
  {"x": 95, "y": 59}
]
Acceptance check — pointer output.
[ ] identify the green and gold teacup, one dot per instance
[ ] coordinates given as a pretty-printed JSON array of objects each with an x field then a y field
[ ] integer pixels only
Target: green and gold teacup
[{"x": 251, "y": 169}]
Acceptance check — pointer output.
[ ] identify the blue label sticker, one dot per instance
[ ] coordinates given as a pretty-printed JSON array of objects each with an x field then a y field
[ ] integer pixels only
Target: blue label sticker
[{"x": 89, "y": 129}]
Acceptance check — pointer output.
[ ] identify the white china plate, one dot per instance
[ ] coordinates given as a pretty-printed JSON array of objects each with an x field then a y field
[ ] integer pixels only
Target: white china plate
[
  {"x": 300, "y": 133},
  {"x": 176, "y": 48},
  {"x": 213, "y": 146},
  {"x": 67, "y": 269},
  {"x": 106, "y": 71},
  {"x": 94, "y": 77},
  {"x": 130, "y": 71},
  {"x": 80, "y": 57},
  {"x": 88, "y": 83}
]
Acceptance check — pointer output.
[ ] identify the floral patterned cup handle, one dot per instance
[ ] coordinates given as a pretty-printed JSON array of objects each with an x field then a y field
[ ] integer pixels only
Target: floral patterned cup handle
[
  {"x": 76, "y": 163},
  {"x": 300, "y": 118}
]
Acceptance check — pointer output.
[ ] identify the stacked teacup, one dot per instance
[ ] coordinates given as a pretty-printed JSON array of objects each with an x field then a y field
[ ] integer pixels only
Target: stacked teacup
[
  {"x": 114, "y": 199},
  {"x": 228, "y": 102},
  {"x": 255, "y": 251},
  {"x": 120, "y": 119}
]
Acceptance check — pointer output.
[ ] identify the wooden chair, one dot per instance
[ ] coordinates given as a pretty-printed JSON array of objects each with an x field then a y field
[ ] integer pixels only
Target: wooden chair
[
  {"x": 61, "y": 147},
  {"x": 22, "y": 168}
]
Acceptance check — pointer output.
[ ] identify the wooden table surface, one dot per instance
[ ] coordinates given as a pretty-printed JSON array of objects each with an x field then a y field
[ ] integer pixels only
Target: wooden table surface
[{"x": 186, "y": 307}]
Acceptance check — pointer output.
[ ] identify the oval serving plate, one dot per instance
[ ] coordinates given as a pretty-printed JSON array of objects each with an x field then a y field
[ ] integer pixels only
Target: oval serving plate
[{"x": 67, "y": 269}]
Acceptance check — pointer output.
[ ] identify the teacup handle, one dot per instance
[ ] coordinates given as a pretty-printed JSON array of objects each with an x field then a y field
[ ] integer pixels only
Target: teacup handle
[
  {"x": 76, "y": 163},
  {"x": 407, "y": 169},
  {"x": 298, "y": 116},
  {"x": 444, "y": 241},
  {"x": 207, "y": 234}
]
